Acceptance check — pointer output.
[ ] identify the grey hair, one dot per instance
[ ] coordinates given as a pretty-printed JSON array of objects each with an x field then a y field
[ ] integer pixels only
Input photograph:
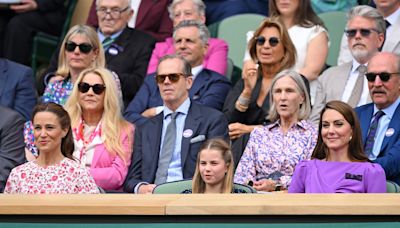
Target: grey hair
[
  {"x": 203, "y": 30},
  {"x": 369, "y": 13},
  {"x": 199, "y": 4},
  {"x": 305, "y": 107},
  {"x": 128, "y": 1},
  {"x": 187, "y": 69}
]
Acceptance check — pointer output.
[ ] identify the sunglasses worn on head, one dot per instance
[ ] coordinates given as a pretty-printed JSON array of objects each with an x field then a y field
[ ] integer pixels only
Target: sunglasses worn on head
[
  {"x": 84, "y": 87},
  {"x": 384, "y": 76},
  {"x": 83, "y": 47},
  {"x": 273, "y": 41},
  {"x": 364, "y": 32},
  {"x": 160, "y": 78}
]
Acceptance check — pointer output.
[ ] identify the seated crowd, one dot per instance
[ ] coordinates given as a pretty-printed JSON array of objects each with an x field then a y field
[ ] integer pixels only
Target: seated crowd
[{"x": 126, "y": 107}]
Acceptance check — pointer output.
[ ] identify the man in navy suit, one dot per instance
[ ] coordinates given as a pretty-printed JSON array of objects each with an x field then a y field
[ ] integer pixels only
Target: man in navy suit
[
  {"x": 209, "y": 88},
  {"x": 17, "y": 88},
  {"x": 384, "y": 87},
  {"x": 195, "y": 123}
]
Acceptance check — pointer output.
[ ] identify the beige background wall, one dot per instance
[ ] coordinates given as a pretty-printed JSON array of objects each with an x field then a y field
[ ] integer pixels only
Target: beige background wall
[{"x": 81, "y": 12}]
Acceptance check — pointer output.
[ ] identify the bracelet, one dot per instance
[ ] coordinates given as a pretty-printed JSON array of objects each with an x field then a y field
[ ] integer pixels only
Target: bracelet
[
  {"x": 243, "y": 101},
  {"x": 240, "y": 107}
]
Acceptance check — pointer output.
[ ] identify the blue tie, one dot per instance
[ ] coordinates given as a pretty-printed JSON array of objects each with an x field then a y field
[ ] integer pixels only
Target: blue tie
[
  {"x": 107, "y": 42},
  {"x": 369, "y": 144}
]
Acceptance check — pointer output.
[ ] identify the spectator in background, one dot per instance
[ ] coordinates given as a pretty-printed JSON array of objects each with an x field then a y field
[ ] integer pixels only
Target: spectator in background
[
  {"x": 323, "y": 6},
  {"x": 54, "y": 171},
  {"x": 216, "y": 56},
  {"x": 380, "y": 122},
  {"x": 103, "y": 138},
  {"x": 181, "y": 129},
  {"x": 390, "y": 10},
  {"x": 338, "y": 163},
  {"x": 214, "y": 169},
  {"x": 148, "y": 16},
  {"x": 11, "y": 143},
  {"x": 17, "y": 88},
  {"x": 209, "y": 88},
  {"x": 308, "y": 35},
  {"x": 274, "y": 150},
  {"x": 247, "y": 104},
  {"x": 217, "y": 10},
  {"x": 127, "y": 50},
  {"x": 19, "y": 25}
]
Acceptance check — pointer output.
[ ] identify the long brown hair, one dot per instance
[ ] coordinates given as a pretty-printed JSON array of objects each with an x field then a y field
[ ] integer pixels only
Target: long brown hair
[
  {"x": 67, "y": 143},
  {"x": 355, "y": 150},
  {"x": 218, "y": 144}
]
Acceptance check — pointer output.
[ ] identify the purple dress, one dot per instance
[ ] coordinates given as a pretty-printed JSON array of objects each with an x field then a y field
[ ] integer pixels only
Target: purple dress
[{"x": 316, "y": 176}]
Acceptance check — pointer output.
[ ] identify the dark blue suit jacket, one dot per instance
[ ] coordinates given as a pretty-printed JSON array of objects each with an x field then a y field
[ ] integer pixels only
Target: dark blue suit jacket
[
  {"x": 209, "y": 88},
  {"x": 389, "y": 155},
  {"x": 17, "y": 87},
  {"x": 201, "y": 120}
]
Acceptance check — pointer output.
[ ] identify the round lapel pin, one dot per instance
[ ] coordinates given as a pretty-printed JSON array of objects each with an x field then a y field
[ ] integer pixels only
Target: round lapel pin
[
  {"x": 389, "y": 132},
  {"x": 187, "y": 133}
]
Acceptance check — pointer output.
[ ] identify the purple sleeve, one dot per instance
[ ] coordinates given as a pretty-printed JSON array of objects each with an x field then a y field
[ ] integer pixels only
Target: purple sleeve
[
  {"x": 375, "y": 180},
  {"x": 299, "y": 178},
  {"x": 216, "y": 58}
]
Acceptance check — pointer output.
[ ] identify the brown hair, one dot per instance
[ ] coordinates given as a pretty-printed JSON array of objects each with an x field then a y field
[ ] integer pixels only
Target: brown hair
[
  {"x": 355, "y": 149},
  {"x": 67, "y": 143},
  {"x": 289, "y": 57},
  {"x": 199, "y": 186}
]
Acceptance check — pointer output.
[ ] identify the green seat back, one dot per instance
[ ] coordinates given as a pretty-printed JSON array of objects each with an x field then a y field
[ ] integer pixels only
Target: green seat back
[
  {"x": 335, "y": 22},
  {"x": 392, "y": 187}
]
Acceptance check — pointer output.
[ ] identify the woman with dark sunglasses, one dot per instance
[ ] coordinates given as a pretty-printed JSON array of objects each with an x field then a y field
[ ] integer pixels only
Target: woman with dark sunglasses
[
  {"x": 103, "y": 138},
  {"x": 247, "y": 104}
]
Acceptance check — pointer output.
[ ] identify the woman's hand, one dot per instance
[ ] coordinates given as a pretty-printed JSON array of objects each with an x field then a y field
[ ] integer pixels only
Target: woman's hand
[
  {"x": 264, "y": 185},
  {"x": 249, "y": 75},
  {"x": 237, "y": 129}
]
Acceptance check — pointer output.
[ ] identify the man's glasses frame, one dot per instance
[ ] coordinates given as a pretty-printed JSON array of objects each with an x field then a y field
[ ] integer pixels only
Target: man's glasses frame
[
  {"x": 174, "y": 77},
  {"x": 114, "y": 12},
  {"x": 384, "y": 76},
  {"x": 351, "y": 33}
]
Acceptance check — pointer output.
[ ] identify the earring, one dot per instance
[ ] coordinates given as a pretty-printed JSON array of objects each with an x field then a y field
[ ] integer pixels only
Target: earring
[{"x": 351, "y": 137}]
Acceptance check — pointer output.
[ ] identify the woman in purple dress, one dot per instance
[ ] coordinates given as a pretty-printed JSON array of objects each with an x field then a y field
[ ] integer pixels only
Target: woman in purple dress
[{"x": 338, "y": 163}]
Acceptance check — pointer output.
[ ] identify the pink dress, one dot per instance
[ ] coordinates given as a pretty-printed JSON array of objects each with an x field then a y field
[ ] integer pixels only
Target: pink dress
[{"x": 64, "y": 178}]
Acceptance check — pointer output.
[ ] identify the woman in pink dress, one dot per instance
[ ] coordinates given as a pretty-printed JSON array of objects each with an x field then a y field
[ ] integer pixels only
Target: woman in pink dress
[
  {"x": 338, "y": 164},
  {"x": 54, "y": 171}
]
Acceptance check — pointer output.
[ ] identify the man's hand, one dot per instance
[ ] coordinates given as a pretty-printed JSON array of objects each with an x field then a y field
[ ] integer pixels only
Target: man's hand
[
  {"x": 150, "y": 112},
  {"x": 146, "y": 188},
  {"x": 24, "y": 6},
  {"x": 237, "y": 129}
]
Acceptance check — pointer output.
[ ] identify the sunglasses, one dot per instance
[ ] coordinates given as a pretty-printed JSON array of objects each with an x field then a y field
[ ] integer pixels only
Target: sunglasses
[
  {"x": 98, "y": 89},
  {"x": 83, "y": 47},
  {"x": 160, "y": 78},
  {"x": 384, "y": 76},
  {"x": 273, "y": 41},
  {"x": 364, "y": 32}
]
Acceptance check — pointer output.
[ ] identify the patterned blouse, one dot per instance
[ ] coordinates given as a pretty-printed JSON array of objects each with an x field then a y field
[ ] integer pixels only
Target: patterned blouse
[
  {"x": 271, "y": 154},
  {"x": 58, "y": 91},
  {"x": 64, "y": 178}
]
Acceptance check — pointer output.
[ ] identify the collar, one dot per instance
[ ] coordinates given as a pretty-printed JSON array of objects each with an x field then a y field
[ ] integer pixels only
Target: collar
[
  {"x": 113, "y": 36},
  {"x": 355, "y": 65},
  {"x": 301, "y": 124},
  {"x": 196, "y": 71},
  {"x": 392, "y": 18},
  {"x": 389, "y": 111},
  {"x": 183, "y": 108}
]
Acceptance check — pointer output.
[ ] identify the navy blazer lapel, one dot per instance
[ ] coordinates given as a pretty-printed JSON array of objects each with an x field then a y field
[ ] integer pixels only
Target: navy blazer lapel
[
  {"x": 3, "y": 74},
  {"x": 191, "y": 123},
  {"x": 198, "y": 83},
  {"x": 153, "y": 139},
  {"x": 395, "y": 125},
  {"x": 118, "y": 46}
]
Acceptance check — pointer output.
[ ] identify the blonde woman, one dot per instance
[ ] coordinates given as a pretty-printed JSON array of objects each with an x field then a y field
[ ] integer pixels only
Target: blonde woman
[{"x": 103, "y": 139}]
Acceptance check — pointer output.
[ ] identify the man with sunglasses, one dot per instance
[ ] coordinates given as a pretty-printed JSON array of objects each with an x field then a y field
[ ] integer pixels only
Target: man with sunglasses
[
  {"x": 166, "y": 145},
  {"x": 209, "y": 88},
  {"x": 390, "y": 10},
  {"x": 127, "y": 50},
  {"x": 365, "y": 34},
  {"x": 380, "y": 120}
]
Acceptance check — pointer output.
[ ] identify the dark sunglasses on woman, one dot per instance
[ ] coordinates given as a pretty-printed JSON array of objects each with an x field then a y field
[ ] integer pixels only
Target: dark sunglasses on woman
[
  {"x": 273, "y": 41},
  {"x": 83, "y": 47},
  {"x": 84, "y": 87},
  {"x": 384, "y": 76}
]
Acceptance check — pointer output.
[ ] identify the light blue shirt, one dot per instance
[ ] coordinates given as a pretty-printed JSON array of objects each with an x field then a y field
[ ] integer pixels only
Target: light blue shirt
[
  {"x": 383, "y": 127},
  {"x": 175, "y": 167}
]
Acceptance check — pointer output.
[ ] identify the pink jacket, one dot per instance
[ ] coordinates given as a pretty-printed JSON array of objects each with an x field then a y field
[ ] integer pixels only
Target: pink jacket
[
  {"x": 109, "y": 171},
  {"x": 216, "y": 57}
]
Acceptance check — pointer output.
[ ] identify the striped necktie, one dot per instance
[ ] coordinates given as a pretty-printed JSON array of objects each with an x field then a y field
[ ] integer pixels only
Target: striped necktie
[
  {"x": 369, "y": 144},
  {"x": 107, "y": 42}
]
